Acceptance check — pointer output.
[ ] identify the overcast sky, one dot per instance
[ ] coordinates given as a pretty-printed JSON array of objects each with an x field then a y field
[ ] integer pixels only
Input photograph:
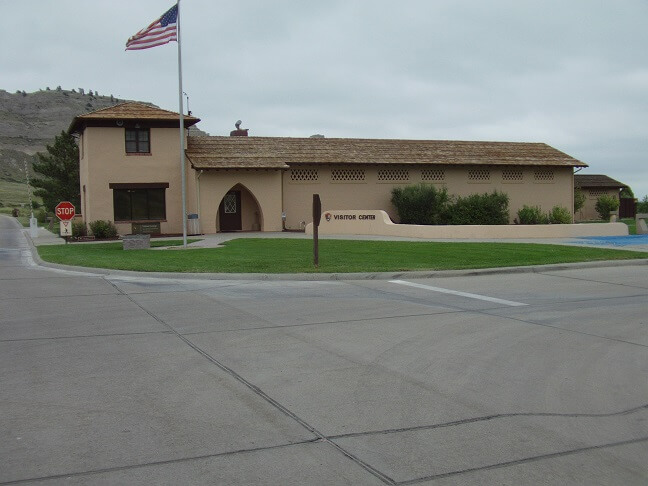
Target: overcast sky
[{"x": 569, "y": 73}]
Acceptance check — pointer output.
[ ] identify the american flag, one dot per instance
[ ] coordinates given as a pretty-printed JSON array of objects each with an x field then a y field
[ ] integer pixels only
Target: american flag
[{"x": 160, "y": 32}]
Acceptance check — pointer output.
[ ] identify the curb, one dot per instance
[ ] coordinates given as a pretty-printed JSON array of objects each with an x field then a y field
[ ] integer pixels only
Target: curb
[{"x": 312, "y": 277}]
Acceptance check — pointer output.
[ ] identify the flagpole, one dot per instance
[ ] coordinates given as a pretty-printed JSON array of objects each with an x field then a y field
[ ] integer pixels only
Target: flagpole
[{"x": 182, "y": 138}]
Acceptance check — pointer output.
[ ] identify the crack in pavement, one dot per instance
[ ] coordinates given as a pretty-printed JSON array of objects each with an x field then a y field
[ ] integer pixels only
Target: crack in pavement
[
  {"x": 486, "y": 418},
  {"x": 91, "y": 472},
  {"x": 523, "y": 461},
  {"x": 582, "y": 279},
  {"x": 260, "y": 393}
]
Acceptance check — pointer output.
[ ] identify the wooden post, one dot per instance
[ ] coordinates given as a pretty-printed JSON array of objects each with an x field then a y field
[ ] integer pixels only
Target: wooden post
[{"x": 317, "y": 216}]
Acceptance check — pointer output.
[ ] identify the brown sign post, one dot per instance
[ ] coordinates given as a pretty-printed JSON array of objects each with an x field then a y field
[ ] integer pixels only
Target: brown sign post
[{"x": 317, "y": 216}]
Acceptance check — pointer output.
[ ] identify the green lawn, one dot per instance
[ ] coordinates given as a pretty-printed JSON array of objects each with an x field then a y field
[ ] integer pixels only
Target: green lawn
[
  {"x": 631, "y": 223},
  {"x": 260, "y": 255}
]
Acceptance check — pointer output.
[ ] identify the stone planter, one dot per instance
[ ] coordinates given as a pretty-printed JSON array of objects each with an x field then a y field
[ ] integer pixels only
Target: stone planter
[{"x": 136, "y": 242}]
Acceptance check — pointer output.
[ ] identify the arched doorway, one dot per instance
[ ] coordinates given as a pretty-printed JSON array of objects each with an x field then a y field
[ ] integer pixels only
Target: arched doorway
[{"x": 239, "y": 211}]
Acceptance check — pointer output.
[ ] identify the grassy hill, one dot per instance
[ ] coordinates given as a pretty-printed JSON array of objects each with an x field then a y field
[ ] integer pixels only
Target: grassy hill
[{"x": 14, "y": 194}]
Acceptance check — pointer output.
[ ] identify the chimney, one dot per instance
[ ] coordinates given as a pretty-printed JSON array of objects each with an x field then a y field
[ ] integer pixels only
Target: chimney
[{"x": 239, "y": 132}]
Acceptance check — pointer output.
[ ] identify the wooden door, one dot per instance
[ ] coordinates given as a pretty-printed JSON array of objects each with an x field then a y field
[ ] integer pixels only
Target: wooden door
[{"x": 229, "y": 212}]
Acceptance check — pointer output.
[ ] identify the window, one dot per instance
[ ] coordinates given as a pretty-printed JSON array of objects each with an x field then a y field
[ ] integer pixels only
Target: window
[
  {"x": 133, "y": 202},
  {"x": 397, "y": 175},
  {"x": 543, "y": 175},
  {"x": 229, "y": 203},
  {"x": 479, "y": 175},
  {"x": 433, "y": 174},
  {"x": 596, "y": 193},
  {"x": 138, "y": 141},
  {"x": 347, "y": 175},
  {"x": 303, "y": 175},
  {"x": 512, "y": 175}
]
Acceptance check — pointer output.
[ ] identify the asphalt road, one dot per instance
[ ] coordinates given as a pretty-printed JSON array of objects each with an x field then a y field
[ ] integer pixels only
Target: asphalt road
[{"x": 529, "y": 378}]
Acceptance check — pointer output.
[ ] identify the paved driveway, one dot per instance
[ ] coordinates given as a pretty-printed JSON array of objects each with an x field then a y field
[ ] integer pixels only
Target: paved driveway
[{"x": 496, "y": 379}]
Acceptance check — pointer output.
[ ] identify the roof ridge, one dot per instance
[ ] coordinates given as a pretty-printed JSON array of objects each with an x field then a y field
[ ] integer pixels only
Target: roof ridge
[
  {"x": 371, "y": 140},
  {"x": 112, "y": 107}
]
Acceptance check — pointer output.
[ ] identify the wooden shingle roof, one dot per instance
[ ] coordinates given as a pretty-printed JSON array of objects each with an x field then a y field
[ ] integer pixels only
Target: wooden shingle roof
[
  {"x": 280, "y": 152},
  {"x": 130, "y": 111},
  {"x": 596, "y": 180}
]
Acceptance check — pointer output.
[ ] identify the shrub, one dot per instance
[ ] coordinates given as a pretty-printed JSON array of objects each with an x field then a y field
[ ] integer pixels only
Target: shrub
[
  {"x": 579, "y": 200},
  {"x": 41, "y": 215},
  {"x": 479, "y": 209},
  {"x": 420, "y": 204},
  {"x": 532, "y": 215},
  {"x": 560, "y": 215},
  {"x": 605, "y": 204},
  {"x": 79, "y": 228},
  {"x": 103, "y": 229},
  {"x": 425, "y": 204}
]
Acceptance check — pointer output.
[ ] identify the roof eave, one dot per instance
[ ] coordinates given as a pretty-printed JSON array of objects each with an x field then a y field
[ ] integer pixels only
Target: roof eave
[{"x": 79, "y": 124}]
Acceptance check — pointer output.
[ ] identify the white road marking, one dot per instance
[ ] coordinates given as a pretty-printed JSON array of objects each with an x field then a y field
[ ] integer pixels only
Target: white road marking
[{"x": 460, "y": 294}]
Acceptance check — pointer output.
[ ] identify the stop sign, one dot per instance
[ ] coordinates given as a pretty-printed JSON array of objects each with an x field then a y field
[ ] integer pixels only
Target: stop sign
[{"x": 64, "y": 211}]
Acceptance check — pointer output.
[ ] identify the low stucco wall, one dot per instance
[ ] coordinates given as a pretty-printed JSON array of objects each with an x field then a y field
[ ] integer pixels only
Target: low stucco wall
[{"x": 375, "y": 222}]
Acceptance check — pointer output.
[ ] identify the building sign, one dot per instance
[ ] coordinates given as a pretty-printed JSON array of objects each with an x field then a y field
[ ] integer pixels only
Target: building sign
[
  {"x": 349, "y": 217},
  {"x": 146, "y": 229}
]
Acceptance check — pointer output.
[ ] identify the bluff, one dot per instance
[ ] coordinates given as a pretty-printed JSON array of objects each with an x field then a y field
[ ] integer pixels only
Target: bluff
[{"x": 30, "y": 121}]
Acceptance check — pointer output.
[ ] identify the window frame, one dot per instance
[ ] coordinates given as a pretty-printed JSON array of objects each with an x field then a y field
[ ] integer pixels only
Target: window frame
[
  {"x": 128, "y": 195},
  {"x": 138, "y": 140}
]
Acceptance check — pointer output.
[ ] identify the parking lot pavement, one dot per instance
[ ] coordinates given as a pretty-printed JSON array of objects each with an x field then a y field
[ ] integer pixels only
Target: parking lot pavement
[{"x": 535, "y": 378}]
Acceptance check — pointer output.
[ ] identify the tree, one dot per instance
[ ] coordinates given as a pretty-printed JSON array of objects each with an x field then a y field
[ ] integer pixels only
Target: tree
[
  {"x": 642, "y": 206},
  {"x": 60, "y": 168},
  {"x": 627, "y": 192}
]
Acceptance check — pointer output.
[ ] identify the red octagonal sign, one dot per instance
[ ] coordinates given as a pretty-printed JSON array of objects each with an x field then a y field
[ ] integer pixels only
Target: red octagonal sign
[{"x": 64, "y": 211}]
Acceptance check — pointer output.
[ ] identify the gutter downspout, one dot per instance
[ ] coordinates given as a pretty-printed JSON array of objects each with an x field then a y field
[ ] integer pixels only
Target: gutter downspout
[
  {"x": 198, "y": 194},
  {"x": 283, "y": 205}
]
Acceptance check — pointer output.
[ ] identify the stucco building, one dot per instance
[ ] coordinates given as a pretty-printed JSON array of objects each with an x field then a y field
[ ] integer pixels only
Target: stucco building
[
  {"x": 593, "y": 187},
  {"x": 130, "y": 173}
]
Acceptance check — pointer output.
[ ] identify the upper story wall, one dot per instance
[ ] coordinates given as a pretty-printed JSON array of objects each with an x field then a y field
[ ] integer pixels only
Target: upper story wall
[
  {"x": 104, "y": 160},
  {"x": 104, "y": 153}
]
